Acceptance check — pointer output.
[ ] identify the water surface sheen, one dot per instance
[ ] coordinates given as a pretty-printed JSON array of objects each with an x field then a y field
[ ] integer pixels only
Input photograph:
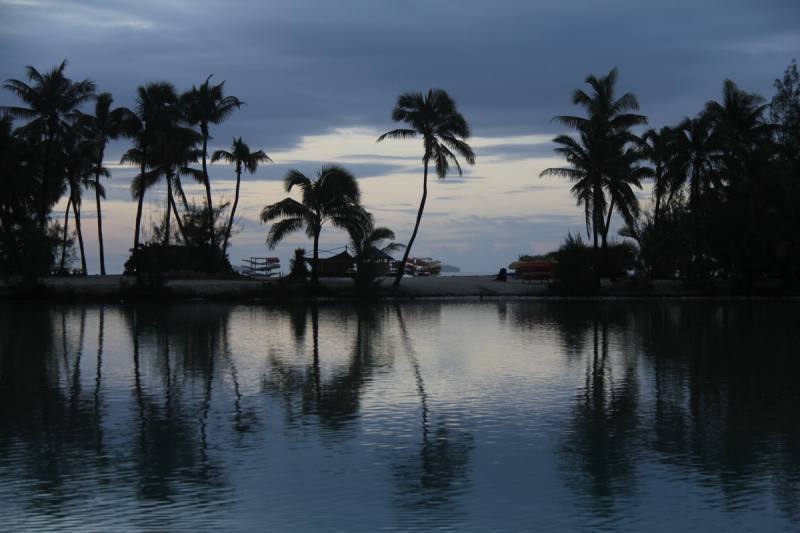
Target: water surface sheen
[{"x": 358, "y": 416}]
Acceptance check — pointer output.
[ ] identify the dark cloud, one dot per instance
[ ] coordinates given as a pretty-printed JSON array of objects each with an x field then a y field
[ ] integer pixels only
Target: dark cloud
[{"x": 309, "y": 67}]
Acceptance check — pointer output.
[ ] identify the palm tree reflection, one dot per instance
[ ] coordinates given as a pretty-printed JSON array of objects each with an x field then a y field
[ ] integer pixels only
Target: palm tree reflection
[{"x": 433, "y": 475}]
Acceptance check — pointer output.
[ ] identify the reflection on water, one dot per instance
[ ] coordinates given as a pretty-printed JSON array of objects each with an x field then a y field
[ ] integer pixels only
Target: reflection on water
[{"x": 463, "y": 415}]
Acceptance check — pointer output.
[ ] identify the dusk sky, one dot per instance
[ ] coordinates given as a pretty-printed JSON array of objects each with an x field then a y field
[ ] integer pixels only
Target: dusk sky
[{"x": 320, "y": 79}]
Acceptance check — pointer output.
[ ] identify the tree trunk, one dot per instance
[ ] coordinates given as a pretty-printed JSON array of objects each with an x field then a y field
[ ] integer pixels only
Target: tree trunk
[
  {"x": 139, "y": 208},
  {"x": 315, "y": 270},
  {"x": 77, "y": 214},
  {"x": 180, "y": 224},
  {"x": 64, "y": 246},
  {"x": 402, "y": 269},
  {"x": 45, "y": 179},
  {"x": 233, "y": 209},
  {"x": 605, "y": 234},
  {"x": 207, "y": 183},
  {"x": 99, "y": 218},
  {"x": 169, "y": 203}
]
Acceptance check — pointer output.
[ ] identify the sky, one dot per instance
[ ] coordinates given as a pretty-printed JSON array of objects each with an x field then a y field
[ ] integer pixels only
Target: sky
[{"x": 320, "y": 79}]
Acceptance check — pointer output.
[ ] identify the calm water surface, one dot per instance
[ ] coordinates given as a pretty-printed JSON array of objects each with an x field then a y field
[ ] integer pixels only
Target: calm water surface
[{"x": 457, "y": 416}]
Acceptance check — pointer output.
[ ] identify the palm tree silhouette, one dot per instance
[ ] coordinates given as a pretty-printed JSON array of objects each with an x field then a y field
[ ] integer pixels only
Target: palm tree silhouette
[
  {"x": 104, "y": 126},
  {"x": 698, "y": 146},
  {"x": 206, "y": 105},
  {"x": 171, "y": 158},
  {"x": 435, "y": 118},
  {"x": 153, "y": 110},
  {"x": 52, "y": 102},
  {"x": 334, "y": 196},
  {"x": 241, "y": 156},
  {"x": 600, "y": 160},
  {"x": 79, "y": 159}
]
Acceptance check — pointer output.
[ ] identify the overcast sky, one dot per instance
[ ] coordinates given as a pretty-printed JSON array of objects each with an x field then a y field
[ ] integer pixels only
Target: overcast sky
[{"x": 320, "y": 79}]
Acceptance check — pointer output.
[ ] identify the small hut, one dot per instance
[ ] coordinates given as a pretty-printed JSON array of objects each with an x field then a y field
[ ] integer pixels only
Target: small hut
[{"x": 332, "y": 267}]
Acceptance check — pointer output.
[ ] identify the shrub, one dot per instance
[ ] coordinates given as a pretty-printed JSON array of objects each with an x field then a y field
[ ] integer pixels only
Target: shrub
[{"x": 573, "y": 270}]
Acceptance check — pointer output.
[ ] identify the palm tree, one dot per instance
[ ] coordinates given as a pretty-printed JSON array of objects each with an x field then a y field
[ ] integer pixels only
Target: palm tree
[
  {"x": 104, "y": 126},
  {"x": 658, "y": 146},
  {"x": 435, "y": 118},
  {"x": 52, "y": 102},
  {"x": 241, "y": 156},
  {"x": 334, "y": 196},
  {"x": 697, "y": 145},
  {"x": 600, "y": 160},
  {"x": 367, "y": 242},
  {"x": 171, "y": 158},
  {"x": 79, "y": 161},
  {"x": 206, "y": 105},
  {"x": 153, "y": 113}
]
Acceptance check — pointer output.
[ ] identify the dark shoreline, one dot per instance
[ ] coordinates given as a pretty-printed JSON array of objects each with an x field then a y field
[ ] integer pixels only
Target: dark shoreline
[{"x": 116, "y": 288}]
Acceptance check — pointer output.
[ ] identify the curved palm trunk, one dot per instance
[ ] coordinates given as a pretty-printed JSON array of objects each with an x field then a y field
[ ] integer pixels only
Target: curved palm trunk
[
  {"x": 45, "y": 179},
  {"x": 169, "y": 202},
  {"x": 233, "y": 209},
  {"x": 597, "y": 221},
  {"x": 402, "y": 269},
  {"x": 99, "y": 218},
  {"x": 605, "y": 234},
  {"x": 64, "y": 245},
  {"x": 315, "y": 270},
  {"x": 139, "y": 208},
  {"x": 77, "y": 215},
  {"x": 207, "y": 183},
  {"x": 178, "y": 220}
]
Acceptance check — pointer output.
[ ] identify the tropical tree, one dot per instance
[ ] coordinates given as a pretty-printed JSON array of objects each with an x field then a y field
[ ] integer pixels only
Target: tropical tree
[
  {"x": 79, "y": 162},
  {"x": 206, "y": 105},
  {"x": 241, "y": 156},
  {"x": 103, "y": 126},
  {"x": 368, "y": 243},
  {"x": 333, "y": 197},
  {"x": 153, "y": 113},
  {"x": 52, "y": 103},
  {"x": 443, "y": 130},
  {"x": 601, "y": 161},
  {"x": 171, "y": 158},
  {"x": 697, "y": 145}
]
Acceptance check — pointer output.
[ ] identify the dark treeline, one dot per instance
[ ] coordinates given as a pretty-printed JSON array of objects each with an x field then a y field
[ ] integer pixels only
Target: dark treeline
[
  {"x": 726, "y": 194},
  {"x": 59, "y": 151}
]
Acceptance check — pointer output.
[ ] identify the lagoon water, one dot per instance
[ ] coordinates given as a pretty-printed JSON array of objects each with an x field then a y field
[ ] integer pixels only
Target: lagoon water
[{"x": 459, "y": 415}]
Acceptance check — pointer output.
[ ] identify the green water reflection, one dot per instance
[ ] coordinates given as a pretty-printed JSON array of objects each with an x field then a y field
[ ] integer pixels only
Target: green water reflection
[{"x": 461, "y": 415}]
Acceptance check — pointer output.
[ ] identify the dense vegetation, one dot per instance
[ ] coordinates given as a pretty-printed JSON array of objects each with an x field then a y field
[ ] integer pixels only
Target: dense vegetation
[{"x": 726, "y": 184}]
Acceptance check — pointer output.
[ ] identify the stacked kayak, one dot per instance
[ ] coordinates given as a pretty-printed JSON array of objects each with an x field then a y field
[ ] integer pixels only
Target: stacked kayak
[
  {"x": 262, "y": 266},
  {"x": 423, "y": 266},
  {"x": 532, "y": 270}
]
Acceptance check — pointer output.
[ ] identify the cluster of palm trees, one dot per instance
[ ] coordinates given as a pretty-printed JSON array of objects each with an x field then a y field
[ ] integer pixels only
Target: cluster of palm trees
[
  {"x": 335, "y": 196},
  {"x": 60, "y": 151},
  {"x": 726, "y": 183}
]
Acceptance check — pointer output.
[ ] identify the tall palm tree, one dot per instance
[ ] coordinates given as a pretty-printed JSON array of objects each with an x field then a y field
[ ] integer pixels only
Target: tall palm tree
[
  {"x": 600, "y": 160},
  {"x": 104, "y": 126},
  {"x": 658, "y": 146},
  {"x": 153, "y": 113},
  {"x": 206, "y": 105},
  {"x": 443, "y": 130},
  {"x": 171, "y": 158},
  {"x": 79, "y": 161},
  {"x": 241, "y": 156},
  {"x": 52, "y": 102},
  {"x": 697, "y": 145},
  {"x": 333, "y": 197}
]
